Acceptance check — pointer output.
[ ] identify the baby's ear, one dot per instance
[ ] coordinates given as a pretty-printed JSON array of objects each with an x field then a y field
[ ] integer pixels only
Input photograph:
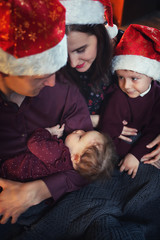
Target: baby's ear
[{"x": 75, "y": 158}]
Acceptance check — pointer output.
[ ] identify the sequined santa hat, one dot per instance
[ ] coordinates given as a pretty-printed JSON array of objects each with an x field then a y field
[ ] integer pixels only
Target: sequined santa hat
[
  {"x": 90, "y": 12},
  {"x": 139, "y": 51},
  {"x": 32, "y": 37}
]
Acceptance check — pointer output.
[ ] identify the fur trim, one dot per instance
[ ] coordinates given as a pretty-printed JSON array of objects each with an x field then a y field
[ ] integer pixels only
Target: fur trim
[
  {"x": 112, "y": 31},
  {"x": 147, "y": 66},
  {"x": 83, "y": 12},
  {"x": 46, "y": 62}
]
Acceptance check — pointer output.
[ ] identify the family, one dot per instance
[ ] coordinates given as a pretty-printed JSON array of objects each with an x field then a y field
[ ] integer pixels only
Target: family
[{"x": 79, "y": 123}]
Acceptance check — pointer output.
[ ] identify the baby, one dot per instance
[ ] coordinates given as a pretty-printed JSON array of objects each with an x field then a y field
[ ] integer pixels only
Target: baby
[{"x": 91, "y": 154}]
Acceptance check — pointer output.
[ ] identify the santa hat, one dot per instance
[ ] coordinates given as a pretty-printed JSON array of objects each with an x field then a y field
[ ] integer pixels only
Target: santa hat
[
  {"x": 90, "y": 12},
  {"x": 32, "y": 37},
  {"x": 139, "y": 51}
]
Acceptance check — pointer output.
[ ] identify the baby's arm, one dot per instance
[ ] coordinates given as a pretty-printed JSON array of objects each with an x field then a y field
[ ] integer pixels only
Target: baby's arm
[
  {"x": 56, "y": 130},
  {"x": 130, "y": 163}
]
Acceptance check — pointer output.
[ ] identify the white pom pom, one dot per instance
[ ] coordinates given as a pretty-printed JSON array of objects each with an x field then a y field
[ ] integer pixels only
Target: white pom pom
[{"x": 112, "y": 31}]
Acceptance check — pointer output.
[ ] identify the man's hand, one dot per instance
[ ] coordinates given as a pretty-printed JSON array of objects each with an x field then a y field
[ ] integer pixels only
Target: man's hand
[
  {"x": 16, "y": 198},
  {"x": 130, "y": 163},
  {"x": 155, "y": 154}
]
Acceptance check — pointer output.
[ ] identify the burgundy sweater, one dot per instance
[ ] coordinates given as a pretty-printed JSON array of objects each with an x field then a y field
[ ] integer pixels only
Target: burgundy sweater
[
  {"x": 61, "y": 104},
  {"x": 142, "y": 113}
]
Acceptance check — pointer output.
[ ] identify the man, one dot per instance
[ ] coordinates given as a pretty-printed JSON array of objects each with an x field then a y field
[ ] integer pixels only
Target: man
[{"x": 32, "y": 49}]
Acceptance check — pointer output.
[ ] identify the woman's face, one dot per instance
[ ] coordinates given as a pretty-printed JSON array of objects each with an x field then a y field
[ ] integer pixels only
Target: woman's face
[{"x": 82, "y": 50}]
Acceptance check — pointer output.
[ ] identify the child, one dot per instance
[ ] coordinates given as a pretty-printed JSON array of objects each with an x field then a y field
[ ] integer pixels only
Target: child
[
  {"x": 136, "y": 63},
  {"x": 91, "y": 154}
]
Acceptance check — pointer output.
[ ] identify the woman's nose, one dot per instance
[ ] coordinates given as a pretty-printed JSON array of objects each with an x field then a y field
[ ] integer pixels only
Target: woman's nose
[{"x": 73, "y": 60}]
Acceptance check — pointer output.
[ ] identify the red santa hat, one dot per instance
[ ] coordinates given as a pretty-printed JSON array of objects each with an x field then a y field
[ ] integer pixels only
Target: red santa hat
[
  {"x": 32, "y": 37},
  {"x": 90, "y": 12},
  {"x": 139, "y": 51}
]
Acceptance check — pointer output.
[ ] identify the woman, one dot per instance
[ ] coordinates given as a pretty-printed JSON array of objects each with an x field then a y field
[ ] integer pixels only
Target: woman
[{"x": 88, "y": 67}]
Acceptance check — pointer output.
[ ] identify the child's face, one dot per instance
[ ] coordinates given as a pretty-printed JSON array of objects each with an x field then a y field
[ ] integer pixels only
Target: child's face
[
  {"x": 79, "y": 140},
  {"x": 133, "y": 83}
]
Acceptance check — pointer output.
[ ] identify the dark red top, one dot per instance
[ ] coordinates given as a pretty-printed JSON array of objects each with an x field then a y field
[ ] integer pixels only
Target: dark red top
[
  {"x": 46, "y": 155},
  {"x": 142, "y": 113}
]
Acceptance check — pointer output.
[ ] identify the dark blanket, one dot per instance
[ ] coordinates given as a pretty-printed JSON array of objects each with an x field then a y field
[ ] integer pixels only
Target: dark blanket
[{"x": 121, "y": 208}]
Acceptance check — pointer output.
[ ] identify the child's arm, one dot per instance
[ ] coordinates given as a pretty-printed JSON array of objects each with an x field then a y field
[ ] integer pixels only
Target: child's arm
[
  {"x": 45, "y": 146},
  {"x": 114, "y": 111},
  {"x": 130, "y": 164}
]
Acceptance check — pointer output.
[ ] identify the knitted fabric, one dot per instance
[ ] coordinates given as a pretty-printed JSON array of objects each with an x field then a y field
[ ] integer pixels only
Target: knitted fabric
[{"x": 121, "y": 208}]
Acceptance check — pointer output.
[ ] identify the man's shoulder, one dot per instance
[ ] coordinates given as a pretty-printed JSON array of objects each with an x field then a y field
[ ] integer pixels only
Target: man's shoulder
[{"x": 62, "y": 80}]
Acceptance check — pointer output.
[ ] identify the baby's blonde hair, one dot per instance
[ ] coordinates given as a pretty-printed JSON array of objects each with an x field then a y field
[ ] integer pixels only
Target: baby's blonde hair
[{"x": 98, "y": 160}]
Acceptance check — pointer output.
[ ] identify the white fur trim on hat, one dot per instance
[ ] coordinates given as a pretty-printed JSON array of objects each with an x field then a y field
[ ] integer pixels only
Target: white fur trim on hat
[
  {"x": 139, "y": 64},
  {"x": 83, "y": 11},
  {"x": 46, "y": 62},
  {"x": 112, "y": 31}
]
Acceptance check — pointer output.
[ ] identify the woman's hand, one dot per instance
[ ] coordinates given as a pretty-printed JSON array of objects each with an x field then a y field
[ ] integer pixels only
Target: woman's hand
[
  {"x": 155, "y": 154},
  {"x": 126, "y": 131},
  {"x": 16, "y": 198},
  {"x": 94, "y": 120}
]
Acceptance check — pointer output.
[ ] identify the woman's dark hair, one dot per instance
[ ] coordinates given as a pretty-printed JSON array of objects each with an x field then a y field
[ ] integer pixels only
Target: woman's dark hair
[{"x": 100, "y": 67}]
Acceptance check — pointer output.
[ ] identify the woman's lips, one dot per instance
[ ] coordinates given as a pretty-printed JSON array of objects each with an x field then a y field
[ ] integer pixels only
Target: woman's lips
[{"x": 80, "y": 66}]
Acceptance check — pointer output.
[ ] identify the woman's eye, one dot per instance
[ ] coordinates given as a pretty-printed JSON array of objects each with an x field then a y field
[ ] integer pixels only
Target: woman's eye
[
  {"x": 134, "y": 79},
  {"x": 81, "y": 50}
]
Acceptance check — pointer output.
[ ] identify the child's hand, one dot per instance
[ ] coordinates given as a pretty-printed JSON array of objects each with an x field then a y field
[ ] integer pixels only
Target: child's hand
[
  {"x": 56, "y": 130},
  {"x": 130, "y": 163},
  {"x": 126, "y": 131}
]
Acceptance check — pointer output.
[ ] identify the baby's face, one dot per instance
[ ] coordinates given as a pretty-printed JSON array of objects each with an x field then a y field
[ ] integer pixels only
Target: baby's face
[
  {"x": 133, "y": 83},
  {"x": 79, "y": 140}
]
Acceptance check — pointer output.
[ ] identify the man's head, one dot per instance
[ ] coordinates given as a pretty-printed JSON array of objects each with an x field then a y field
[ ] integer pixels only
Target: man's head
[
  {"x": 25, "y": 85},
  {"x": 33, "y": 44},
  {"x": 92, "y": 153}
]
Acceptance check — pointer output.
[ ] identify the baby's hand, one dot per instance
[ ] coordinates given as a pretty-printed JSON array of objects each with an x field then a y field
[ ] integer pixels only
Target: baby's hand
[
  {"x": 130, "y": 163},
  {"x": 56, "y": 130}
]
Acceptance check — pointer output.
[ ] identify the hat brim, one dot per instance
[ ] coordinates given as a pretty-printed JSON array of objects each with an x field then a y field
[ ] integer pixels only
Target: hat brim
[
  {"x": 46, "y": 62},
  {"x": 147, "y": 66}
]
